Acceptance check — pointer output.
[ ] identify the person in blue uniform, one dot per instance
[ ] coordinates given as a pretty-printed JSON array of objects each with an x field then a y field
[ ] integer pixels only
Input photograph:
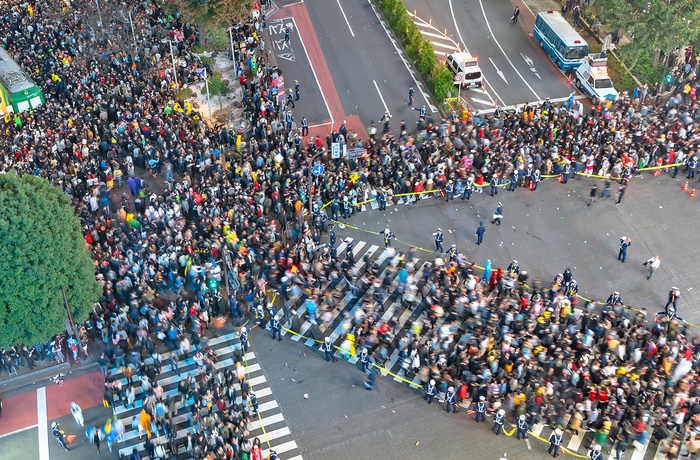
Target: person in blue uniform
[
  {"x": 381, "y": 199},
  {"x": 480, "y": 233},
  {"x": 365, "y": 360},
  {"x": 494, "y": 184},
  {"x": 451, "y": 400},
  {"x": 555, "y": 440},
  {"x": 439, "y": 238},
  {"x": 449, "y": 191},
  {"x": 327, "y": 348},
  {"x": 244, "y": 339},
  {"x": 498, "y": 214},
  {"x": 522, "y": 427},
  {"x": 297, "y": 90},
  {"x": 498, "y": 420},
  {"x": 253, "y": 402},
  {"x": 624, "y": 244},
  {"x": 468, "y": 188},
  {"x": 388, "y": 236},
  {"x": 276, "y": 328},
  {"x": 430, "y": 391},
  {"x": 481, "y": 410}
]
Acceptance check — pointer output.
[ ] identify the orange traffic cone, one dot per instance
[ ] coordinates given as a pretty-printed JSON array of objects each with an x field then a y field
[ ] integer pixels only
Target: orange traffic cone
[
  {"x": 692, "y": 193},
  {"x": 70, "y": 438},
  {"x": 568, "y": 78},
  {"x": 685, "y": 186},
  {"x": 656, "y": 172}
]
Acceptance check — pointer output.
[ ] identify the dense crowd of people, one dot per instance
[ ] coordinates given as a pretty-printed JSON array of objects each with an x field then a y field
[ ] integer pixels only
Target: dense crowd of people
[{"x": 112, "y": 122}]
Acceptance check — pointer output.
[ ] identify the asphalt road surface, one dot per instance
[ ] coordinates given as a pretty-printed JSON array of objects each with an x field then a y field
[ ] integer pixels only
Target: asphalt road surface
[
  {"x": 553, "y": 228},
  {"x": 516, "y": 69}
]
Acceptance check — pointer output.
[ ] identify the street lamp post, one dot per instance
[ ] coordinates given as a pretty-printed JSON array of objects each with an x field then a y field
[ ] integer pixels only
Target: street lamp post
[
  {"x": 99, "y": 13},
  {"x": 133, "y": 34},
  {"x": 206, "y": 84},
  {"x": 233, "y": 53},
  {"x": 172, "y": 56}
]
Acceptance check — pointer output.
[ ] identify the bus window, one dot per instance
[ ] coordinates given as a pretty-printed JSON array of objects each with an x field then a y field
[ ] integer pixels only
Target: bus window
[{"x": 578, "y": 52}]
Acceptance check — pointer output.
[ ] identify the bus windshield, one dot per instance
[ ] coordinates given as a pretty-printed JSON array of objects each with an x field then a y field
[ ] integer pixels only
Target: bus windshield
[{"x": 577, "y": 52}]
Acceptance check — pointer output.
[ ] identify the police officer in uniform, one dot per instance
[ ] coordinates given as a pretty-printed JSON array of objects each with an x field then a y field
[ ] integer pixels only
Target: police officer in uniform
[
  {"x": 480, "y": 233},
  {"x": 624, "y": 244},
  {"x": 348, "y": 252},
  {"x": 327, "y": 348},
  {"x": 304, "y": 126},
  {"x": 244, "y": 339},
  {"x": 614, "y": 299},
  {"x": 335, "y": 209},
  {"x": 381, "y": 199},
  {"x": 468, "y": 188},
  {"x": 451, "y": 400},
  {"x": 332, "y": 238},
  {"x": 555, "y": 440},
  {"x": 388, "y": 236},
  {"x": 289, "y": 118},
  {"x": 596, "y": 454},
  {"x": 297, "y": 90},
  {"x": 481, "y": 410},
  {"x": 411, "y": 91},
  {"x": 439, "y": 238},
  {"x": 498, "y": 421},
  {"x": 276, "y": 328},
  {"x": 324, "y": 220},
  {"x": 513, "y": 268},
  {"x": 430, "y": 391},
  {"x": 522, "y": 427},
  {"x": 58, "y": 434},
  {"x": 565, "y": 172},
  {"x": 451, "y": 253},
  {"x": 449, "y": 191},
  {"x": 494, "y": 184},
  {"x": 290, "y": 99},
  {"x": 365, "y": 360}
]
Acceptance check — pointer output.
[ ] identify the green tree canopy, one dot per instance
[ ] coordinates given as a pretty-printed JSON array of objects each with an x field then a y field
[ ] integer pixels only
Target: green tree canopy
[
  {"x": 41, "y": 249},
  {"x": 653, "y": 24}
]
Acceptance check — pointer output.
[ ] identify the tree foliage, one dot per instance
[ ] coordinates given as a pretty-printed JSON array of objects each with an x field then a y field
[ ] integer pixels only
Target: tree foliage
[
  {"x": 41, "y": 249},
  {"x": 653, "y": 24}
]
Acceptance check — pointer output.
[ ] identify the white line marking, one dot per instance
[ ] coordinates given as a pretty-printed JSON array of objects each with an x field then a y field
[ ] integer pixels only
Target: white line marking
[
  {"x": 17, "y": 431},
  {"x": 461, "y": 40},
  {"x": 301, "y": 40},
  {"x": 346, "y": 19},
  {"x": 43, "y": 423},
  {"x": 522, "y": 104},
  {"x": 488, "y": 24},
  {"x": 499, "y": 72},
  {"x": 423, "y": 93},
  {"x": 318, "y": 125},
  {"x": 380, "y": 95}
]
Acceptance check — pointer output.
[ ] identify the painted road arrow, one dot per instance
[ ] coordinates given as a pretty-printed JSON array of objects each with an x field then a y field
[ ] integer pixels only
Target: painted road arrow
[
  {"x": 500, "y": 73},
  {"x": 531, "y": 64}
]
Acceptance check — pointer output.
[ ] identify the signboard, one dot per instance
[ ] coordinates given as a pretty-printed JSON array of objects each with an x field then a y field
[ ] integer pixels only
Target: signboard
[
  {"x": 355, "y": 153},
  {"x": 451, "y": 99},
  {"x": 317, "y": 170},
  {"x": 335, "y": 150},
  {"x": 458, "y": 77}
]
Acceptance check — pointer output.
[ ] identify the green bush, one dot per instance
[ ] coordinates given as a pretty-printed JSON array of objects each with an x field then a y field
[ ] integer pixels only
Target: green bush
[
  {"x": 441, "y": 81},
  {"x": 403, "y": 24},
  {"x": 426, "y": 58},
  {"x": 413, "y": 41},
  {"x": 184, "y": 93}
]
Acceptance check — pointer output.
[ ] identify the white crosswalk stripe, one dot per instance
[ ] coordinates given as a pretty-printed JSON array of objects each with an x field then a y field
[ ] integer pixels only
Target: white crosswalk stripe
[
  {"x": 270, "y": 425},
  {"x": 402, "y": 318}
]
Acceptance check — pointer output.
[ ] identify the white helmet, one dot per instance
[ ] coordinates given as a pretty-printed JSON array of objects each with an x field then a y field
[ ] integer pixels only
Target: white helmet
[
  {"x": 502, "y": 412},
  {"x": 522, "y": 417},
  {"x": 451, "y": 389},
  {"x": 54, "y": 425},
  {"x": 243, "y": 330},
  {"x": 277, "y": 317},
  {"x": 364, "y": 351},
  {"x": 432, "y": 382},
  {"x": 557, "y": 432},
  {"x": 482, "y": 398},
  {"x": 328, "y": 339}
]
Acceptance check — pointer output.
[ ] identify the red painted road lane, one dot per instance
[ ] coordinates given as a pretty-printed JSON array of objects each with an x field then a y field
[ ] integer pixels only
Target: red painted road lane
[
  {"x": 18, "y": 412},
  {"x": 86, "y": 390},
  {"x": 325, "y": 80}
]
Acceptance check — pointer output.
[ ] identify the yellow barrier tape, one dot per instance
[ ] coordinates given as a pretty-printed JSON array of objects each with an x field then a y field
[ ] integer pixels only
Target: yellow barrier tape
[{"x": 512, "y": 432}]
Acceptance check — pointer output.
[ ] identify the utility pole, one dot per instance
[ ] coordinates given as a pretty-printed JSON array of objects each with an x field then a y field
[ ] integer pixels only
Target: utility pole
[
  {"x": 74, "y": 330},
  {"x": 172, "y": 56},
  {"x": 99, "y": 13},
  {"x": 233, "y": 53},
  {"x": 206, "y": 84}
]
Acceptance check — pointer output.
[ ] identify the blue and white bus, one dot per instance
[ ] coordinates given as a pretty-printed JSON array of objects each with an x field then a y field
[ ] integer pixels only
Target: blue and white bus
[{"x": 564, "y": 45}]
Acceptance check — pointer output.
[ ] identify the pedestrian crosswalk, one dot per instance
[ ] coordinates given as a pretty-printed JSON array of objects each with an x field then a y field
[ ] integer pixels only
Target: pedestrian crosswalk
[
  {"x": 443, "y": 43},
  {"x": 395, "y": 309},
  {"x": 270, "y": 425}
]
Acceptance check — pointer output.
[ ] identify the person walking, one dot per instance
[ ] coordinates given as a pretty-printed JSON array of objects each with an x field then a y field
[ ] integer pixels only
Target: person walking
[
  {"x": 480, "y": 233},
  {"x": 652, "y": 264},
  {"x": 498, "y": 214},
  {"x": 439, "y": 238},
  {"x": 624, "y": 244},
  {"x": 244, "y": 339},
  {"x": 592, "y": 195},
  {"x": 388, "y": 236},
  {"x": 621, "y": 193},
  {"x": 327, "y": 348},
  {"x": 297, "y": 90},
  {"x": 58, "y": 434},
  {"x": 516, "y": 13},
  {"x": 673, "y": 295},
  {"x": 365, "y": 361},
  {"x": 77, "y": 413},
  {"x": 411, "y": 91}
]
